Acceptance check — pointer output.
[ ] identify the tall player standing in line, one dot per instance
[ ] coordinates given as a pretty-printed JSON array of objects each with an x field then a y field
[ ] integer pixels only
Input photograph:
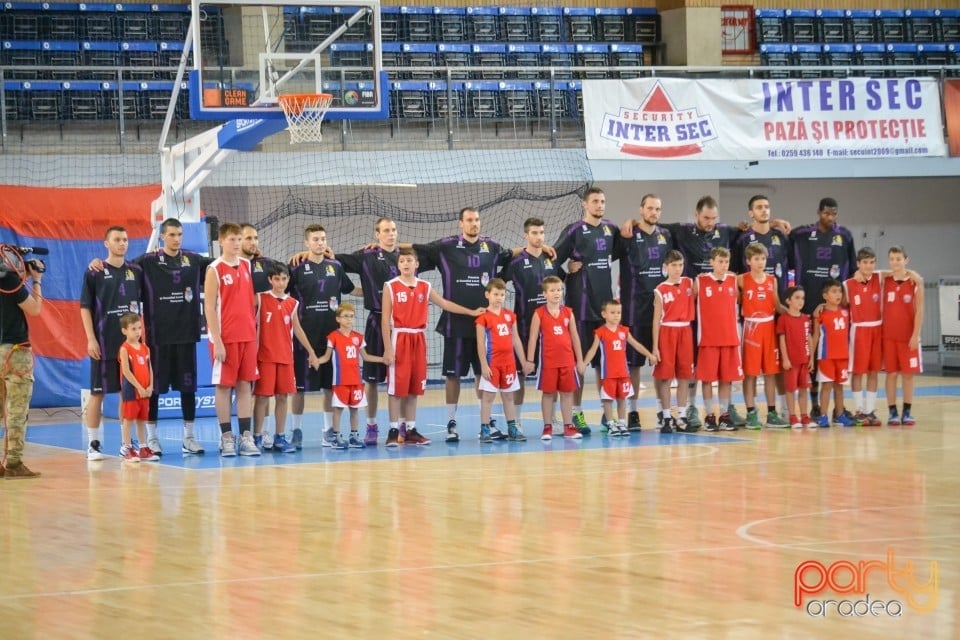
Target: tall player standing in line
[
  {"x": 641, "y": 270},
  {"x": 250, "y": 251},
  {"x": 467, "y": 262},
  {"x": 105, "y": 296},
  {"x": 376, "y": 265},
  {"x": 821, "y": 252},
  {"x": 317, "y": 284},
  {"x": 526, "y": 271},
  {"x": 591, "y": 242}
]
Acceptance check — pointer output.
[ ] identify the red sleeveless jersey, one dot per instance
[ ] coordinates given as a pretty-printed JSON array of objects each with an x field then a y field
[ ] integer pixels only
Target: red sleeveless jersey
[
  {"x": 757, "y": 298},
  {"x": 556, "y": 347},
  {"x": 276, "y": 330},
  {"x": 499, "y": 329},
  {"x": 865, "y": 299},
  {"x": 899, "y": 309},
  {"x": 613, "y": 352},
  {"x": 346, "y": 357},
  {"x": 834, "y": 334},
  {"x": 138, "y": 357},
  {"x": 677, "y": 301},
  {"x": 411, "y": 304},
  {"x": 235, "y": 309},
  {"x": 717, "y": 311}
]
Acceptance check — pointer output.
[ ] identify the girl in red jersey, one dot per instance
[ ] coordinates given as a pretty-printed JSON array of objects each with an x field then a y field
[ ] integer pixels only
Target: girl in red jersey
[
  {"x": 561, "y": 358},
  {"x": 673, "y": 311},
  {"x": 497, "y": 341},
  {"x": 406, "y": 301},
  {"x": 136, "y": 387},
  {"x": 796, "y": 356}
]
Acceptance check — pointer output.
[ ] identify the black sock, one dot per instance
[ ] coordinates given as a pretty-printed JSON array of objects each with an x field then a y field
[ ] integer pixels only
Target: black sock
[
  {"x": 771, "y": 408},
  {"x": 814, "y": 399},
  {"x": 892, "y": 408},
  {"x": 906, "y": 407},
  {"x": 749, "y": 409},
  {"x": 244, "y": 425},
  {"x": 511, "y": 424},
  {"x": 225, "y": 427}
]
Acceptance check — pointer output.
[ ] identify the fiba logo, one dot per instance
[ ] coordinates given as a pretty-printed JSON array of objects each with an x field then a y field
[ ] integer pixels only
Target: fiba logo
[{"x": 351, "y": 98}]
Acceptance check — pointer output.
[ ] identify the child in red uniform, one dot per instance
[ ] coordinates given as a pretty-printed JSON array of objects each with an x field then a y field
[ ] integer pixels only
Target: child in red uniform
[
  {"x": 230, "y": 309},
  {"x": 831, "y": 332},
  {"x": 863, "y": 292},
  {"x": 277, "y": 319},
  {"x": 902, "y": 320},
  {"x": 406, "y": 301},
  {"x": 673, "y": 311},
  {"x": 796, "y": 356},
  {"x": 136, "y": 387},
  {"x": 718, "y": 338},
  {"x": 497, "y": 342},
  {"x": 345, "y": 347},
  {"x": 759, "y": 303},
  {"x": 611, "y": 339},
  {"x": 561, "y": 358}
]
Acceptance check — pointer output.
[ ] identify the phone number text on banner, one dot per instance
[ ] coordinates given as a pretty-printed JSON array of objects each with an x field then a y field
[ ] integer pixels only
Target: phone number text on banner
[{"x": 672, "y": 118}]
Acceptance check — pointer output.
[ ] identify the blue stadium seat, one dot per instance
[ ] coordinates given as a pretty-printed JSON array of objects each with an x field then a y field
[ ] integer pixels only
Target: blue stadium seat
[
  {"x": 861, "y": 25},
  {"x": 139, "y": 54},
  {"x": 448, "y": 101},
  {"x": 515, "y": 24},
  {"x": 101, "y": 54},
  {"x": 524, "y": 57},
  {"x": 801, "y": 26},
  {"x": 775, "y": 55},
  {"x": 950, "y": 25},
  {"x": 841, "y": 56},
  {"x": 390, "y": 24},
  {"x": 558, "y": 56},
  {"x": 359, "y": 31},
  {"x": 24, "y": 25},
  {"x": 171, "y": 24},
  {"x": 129, "y": 106},
  {"x": 450, "y": 24},
  {"x": 169, "y": 54},
  {"x": 831, "y": 26},
  {"x": 490, "y": 55},
  {"x": 417, "y": 24},
  {"x": 932, "y": 53},
  {"x": 44, "y": 100},
  {"x": 97, "y": 22},
  {"x": 807, "y": 55},
  {"x": 350, "y": 54},
  {"x": 83, "y": 100},
  {"x": 412, "y": 99},
  {"x": 595, "y": 55},
  {"x": 580, "y": 25},
  {"x": 770, "y": 26},
  {"x": 870, "y": 54},
  {"x": 483, "y": 99},
  {"x": 419, "y": 54},
  {"x": 626, "y": 55},
  {"x": 517, "y": 99},
  {"x": 483, "y": 24},
  {"x": 892, "y": 24},
  {"x": 133, "y": 26},
  {"x": 391, "y": 55},
  {"x": 62, "y": 26},
  {"x": 547, "y": 24},
  {"x": 553, "y": 99},
  {"x": 14, "y": 105},
  {"x": 59, "y": 53},
  {"x": 611, "y": 24},
  {"x": 318, "y": 23},
  {"x": 22, "y": 54},
  {"x": 902, "y": 53},
  {"x": 455, "y": 54},
  {"x": 642, "y": 24}
]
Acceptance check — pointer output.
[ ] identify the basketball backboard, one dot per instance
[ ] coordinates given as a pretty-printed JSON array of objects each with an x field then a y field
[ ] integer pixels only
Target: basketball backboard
[{"x": 247, "y": 52}]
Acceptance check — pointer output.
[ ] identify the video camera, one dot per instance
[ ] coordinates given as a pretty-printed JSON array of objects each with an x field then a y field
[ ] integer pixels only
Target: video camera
[{"x": 12, "y": 259}]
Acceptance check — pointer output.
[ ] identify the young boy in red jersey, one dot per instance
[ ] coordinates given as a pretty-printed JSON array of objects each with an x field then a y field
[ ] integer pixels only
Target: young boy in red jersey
[
  {"x": 864, "y": 295},
  {"x": 561, "y": 357},
  {"x": 136, "y": 387},
  {"x": 611, "y": 340},
  {"x": 497, "y": 342},
  {"x": 831, "y": 332},
  {"x": 902, "y": 320},
  {"x": 796, "y": 356},
  {"x": 230, "y": 308},
  {"x": 673, "y": 311},
  {"x": 406, "y": 301},
  {"x": 345, "y": 347},
  {"x": 759, "y": 302},
  {"x": 277, "y": 319}
]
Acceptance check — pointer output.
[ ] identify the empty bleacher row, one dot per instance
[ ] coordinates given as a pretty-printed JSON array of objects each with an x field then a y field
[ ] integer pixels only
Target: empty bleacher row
[
  {"x": 141, "y": 57},
  {"x": 47, "y": 100},
  {"x": 506, "y": 99},
  {"x": 94, "y": 21},
  {"x": 853, "y": 26},
  {"x": 844, "y": 58}
]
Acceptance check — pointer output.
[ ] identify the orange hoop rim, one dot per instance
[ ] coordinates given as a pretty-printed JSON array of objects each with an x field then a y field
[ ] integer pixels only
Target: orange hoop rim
[{"x": 295, "y": 102}]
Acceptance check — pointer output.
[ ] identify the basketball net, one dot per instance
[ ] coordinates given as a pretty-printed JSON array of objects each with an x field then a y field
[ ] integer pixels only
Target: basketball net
[{"x": 305, "y": 112}]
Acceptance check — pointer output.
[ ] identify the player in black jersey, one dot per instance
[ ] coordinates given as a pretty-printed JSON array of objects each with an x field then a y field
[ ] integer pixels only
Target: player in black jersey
[
  {"x": 318, "y": 284},
  {"x": 104, "y": 297},
  {"x": 250, "y": 249},
  {"x": 763, "y": 231},
  {"x": 172, "y": 279},
  {"x": 822, "y": 251},
  {"x": 641, "y": 258},
  {"x": 376, "y": 265},
  {"x": 526, "y": 271},
  {"x": 589, "y": 242},
  {"x": 466, "y": 262}
]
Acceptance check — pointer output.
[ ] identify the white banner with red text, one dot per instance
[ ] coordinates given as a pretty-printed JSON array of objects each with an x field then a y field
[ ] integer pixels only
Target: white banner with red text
[{"x": 675, "y": 118}]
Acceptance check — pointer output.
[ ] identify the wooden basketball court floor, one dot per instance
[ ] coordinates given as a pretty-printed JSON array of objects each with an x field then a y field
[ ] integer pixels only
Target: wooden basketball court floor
[{"x": 681, "y": 536}]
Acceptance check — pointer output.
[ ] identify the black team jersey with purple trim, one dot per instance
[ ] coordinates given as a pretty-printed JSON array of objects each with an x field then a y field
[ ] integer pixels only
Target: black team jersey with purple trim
[
  {"x": 778, "y": 255},
  {"x": 527, "y": 272},
  {"x": 818, "y": 257},
  {"x": 171, "y": 296},
  {"x": 108, "y": 294},
  {"x": 375, "y": 267},
  {"x": 696, "y": 244},
  {"x": 319, "y": 287},
  {"x": 590, "y": 287},
  {"x": 641, "y": 270}
]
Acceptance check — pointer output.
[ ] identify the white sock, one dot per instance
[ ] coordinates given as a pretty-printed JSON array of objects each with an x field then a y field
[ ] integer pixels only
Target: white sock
[
  {"x": 188, "y": 430},
  {"x": 394, "y": 425},
  {"x": 782, "y": 400},
  {"x": 659, "y": 405},
  {"x": 577, "y": 410},
  {"x": 151, "y": 431},
  {"x": 858, "y": 400},
  {"x": 451, "y": 412},
  {"x": 296, "y": 419},
  {"x": 267, "y": 423},
  {"x": 371, "y": 421},
  {"x": 632, "y": 403},
  {"x": 871, "y": 404},
  {"x": 92, "y": 434},
  {"x": 411, "y": 424},
  {"x": 327, "y": 420}
]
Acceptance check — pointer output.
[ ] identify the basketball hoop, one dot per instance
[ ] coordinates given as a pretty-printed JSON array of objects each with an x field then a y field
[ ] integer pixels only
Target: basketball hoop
[{"x": 305, "y": 112}]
